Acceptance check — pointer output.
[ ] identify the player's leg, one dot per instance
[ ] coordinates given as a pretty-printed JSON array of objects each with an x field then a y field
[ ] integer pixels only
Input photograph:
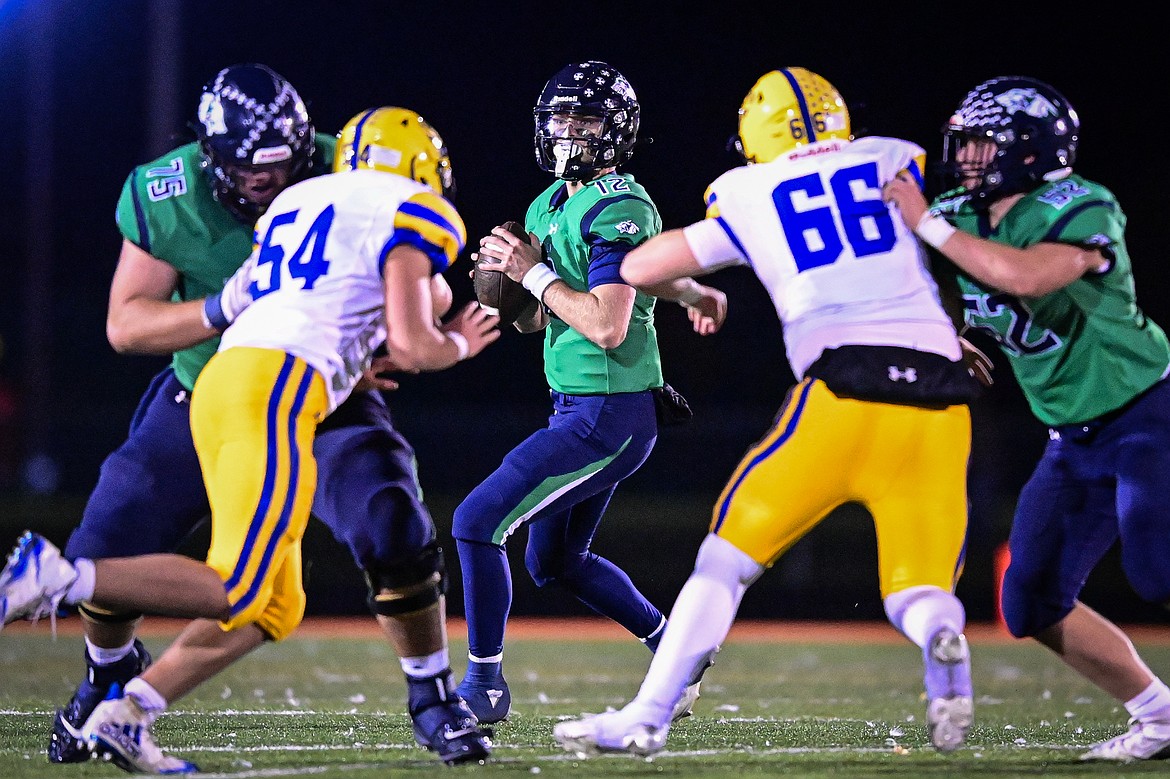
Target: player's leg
[
  {"x": 369, "y": 497},
  {"x": 558, "y": 550},
  {"x": 253, "y": 419},
  {"x": 915, "y": 487},
  {"x": 148, "y": 498},
  {"x": 548, "y": 472},
  {"x": 765, "y": 508}
]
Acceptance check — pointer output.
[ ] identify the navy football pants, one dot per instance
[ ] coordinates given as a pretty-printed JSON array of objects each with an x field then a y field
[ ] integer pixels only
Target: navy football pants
[
  {"x": 150, "y": 495},
  {"x": 1095, "y": 484}
]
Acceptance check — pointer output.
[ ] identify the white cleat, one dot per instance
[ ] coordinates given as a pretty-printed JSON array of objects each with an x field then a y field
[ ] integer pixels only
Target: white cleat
[
  {"x": 1149, "y": 740},
  {"x": 34, "y": 580},
  {"x": 119, "y": 730},
  {"x": 613, "y": 731},
  {"x": 685, "y": 706},
  {"x": 950, "y": 707}
]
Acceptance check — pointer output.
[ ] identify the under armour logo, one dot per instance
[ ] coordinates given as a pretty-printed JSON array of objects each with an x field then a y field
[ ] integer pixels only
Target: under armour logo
[
  {"x": 494, "y": 696},
  {"x": 908, "y": 375}
]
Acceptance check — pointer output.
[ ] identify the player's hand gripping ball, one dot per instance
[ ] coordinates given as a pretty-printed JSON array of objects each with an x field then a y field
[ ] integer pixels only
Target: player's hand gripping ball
[{"x": 495, "y": 290}]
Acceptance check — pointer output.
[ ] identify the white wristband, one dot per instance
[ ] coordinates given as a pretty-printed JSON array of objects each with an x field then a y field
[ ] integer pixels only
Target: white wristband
[
  {"x": 460, "y": 344},
  {"x": 934, "y": 230},
  {"x": 537, "y": 279}
]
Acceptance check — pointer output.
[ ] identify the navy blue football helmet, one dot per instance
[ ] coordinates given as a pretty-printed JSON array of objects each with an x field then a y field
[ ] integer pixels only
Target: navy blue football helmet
[
  {"x": 586, "y": 89},
  {"x": 1034, "y": 130},
  {"x": 249, "y": 117}
]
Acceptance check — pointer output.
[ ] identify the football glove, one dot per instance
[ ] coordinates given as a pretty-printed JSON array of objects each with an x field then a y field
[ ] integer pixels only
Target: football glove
[{"x": 221, "y": 310}]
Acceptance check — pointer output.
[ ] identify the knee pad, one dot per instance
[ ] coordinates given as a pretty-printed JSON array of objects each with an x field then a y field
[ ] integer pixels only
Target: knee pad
[
  {"x": 409, "y": 585},
  {"x": 106, "y": 617}
]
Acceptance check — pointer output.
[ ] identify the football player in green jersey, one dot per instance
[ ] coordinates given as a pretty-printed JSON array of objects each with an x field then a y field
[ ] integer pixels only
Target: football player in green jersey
[
  {"x": 1042, "y": 265},
  {"x": 602, "y": 364},
  {"x": 187, "y": 223}
]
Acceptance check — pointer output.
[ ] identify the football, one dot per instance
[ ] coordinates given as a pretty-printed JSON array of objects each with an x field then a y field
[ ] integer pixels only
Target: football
[{"x": 496, "y": 291}]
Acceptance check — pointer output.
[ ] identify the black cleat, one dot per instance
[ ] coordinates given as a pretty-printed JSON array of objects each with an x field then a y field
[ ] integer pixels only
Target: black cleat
[{"x": 443, "y": 723}]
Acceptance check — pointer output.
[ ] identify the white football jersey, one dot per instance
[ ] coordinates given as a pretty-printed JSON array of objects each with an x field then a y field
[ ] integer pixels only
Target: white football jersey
[
  {"x": 839, "y": 264},
  {"x": 319, "y": 253}
]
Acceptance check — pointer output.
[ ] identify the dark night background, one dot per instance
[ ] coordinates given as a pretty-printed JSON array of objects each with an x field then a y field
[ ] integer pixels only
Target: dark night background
[{"x": 90, "y": 90}]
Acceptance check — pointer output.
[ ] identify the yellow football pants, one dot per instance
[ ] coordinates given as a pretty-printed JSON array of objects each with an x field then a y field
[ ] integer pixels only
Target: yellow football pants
[
  {"x": 906, "y": 465},
  {"x": 254, "y": 413}
]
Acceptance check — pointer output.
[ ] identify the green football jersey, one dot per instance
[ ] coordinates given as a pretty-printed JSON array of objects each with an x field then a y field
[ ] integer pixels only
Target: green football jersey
[
  {"x": 167, "y": 209},
  {"x": 611, "y": 209},
  {"x": 1083, "y": 350}
]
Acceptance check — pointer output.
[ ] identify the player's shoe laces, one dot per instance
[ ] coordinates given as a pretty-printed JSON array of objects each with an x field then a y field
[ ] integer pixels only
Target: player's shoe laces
[
  {"x": 950, "y": 707},
  {"x": 685, "y": 706},
  {"x": 119, "y": 731},
  {"x": 1145, "y": 740},
  {"x": 443, "y": 723},
  {"x": 487, "y": 694},
  {"x": 614, "y": 731},
  {"x": 35, "y": 579},
  {"x": 65, "y": 743}
]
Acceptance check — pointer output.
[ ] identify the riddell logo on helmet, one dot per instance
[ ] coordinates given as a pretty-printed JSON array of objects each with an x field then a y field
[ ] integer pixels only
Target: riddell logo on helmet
[
  {"x": 563, "y": 99},
  {"x": 271, "y": 155},
  {"x": 807, "y": 151}
]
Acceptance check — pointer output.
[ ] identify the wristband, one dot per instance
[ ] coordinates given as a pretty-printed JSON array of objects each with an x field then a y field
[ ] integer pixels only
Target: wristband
[
  {"x": 934, "y": 230},
  {"x": 460, "y": 344},
  {"x": 537, "y": 279},
  {"x": 213, "y": 316},
  {"x": 690, "y": 297}
]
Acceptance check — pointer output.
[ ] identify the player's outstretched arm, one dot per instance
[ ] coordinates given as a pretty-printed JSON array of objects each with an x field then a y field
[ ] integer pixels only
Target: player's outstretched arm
[
  {"x": 141, "y": 317},
  {"x": 664, "y": 266}
]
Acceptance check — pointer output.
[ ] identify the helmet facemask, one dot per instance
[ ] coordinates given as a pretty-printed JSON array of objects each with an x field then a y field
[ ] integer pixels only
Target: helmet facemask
[
  {"x": 1008, "y": 136},
  {"x": 587, "y": 120}
]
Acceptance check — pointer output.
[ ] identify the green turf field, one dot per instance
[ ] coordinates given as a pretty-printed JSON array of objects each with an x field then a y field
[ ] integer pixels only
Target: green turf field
[{"x": 335, "y": 708}]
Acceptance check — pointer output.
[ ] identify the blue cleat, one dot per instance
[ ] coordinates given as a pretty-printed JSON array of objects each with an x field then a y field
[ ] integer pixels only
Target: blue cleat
[
  {"x": 443, "y": 723},
  {"x": 65, "y": 743},
  {"x": 486, "y": 692}
]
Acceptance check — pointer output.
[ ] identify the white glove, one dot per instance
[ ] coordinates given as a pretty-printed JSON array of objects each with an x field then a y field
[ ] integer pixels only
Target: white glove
[{"x": 221, "y": 310}]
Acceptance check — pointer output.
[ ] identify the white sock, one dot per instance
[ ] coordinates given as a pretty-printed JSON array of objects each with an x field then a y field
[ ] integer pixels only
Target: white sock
[
  {"x": 919, "y": 612},
  {"x": 1151, "y": 703},
  {"x": 82, "y": 587},
  {"x": 699, "y": 622},
  {"x": 148, "y": 698},
  {"x": 104, "y": 655},
  {"x": 426, "y": 665}
]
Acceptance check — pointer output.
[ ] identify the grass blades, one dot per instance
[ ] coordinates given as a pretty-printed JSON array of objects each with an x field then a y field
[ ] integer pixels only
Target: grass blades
[{"x": 324, "y": 706}]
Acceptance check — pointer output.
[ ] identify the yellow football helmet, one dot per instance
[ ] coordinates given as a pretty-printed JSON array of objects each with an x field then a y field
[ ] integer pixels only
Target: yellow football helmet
[
  {"x": 787, "y": 109},
  {"x": 396, "y": 140}
]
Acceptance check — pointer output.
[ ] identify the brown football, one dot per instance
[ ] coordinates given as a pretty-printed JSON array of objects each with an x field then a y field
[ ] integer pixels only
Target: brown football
[{"x": 495, "y": 290}]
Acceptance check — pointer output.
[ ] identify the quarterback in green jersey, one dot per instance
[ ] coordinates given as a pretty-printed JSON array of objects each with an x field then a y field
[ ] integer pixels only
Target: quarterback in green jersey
[
  {"x": 187, "y": 222},
  {"x": 1042, "y": 266},
  {"x": 603, "y": 369}
]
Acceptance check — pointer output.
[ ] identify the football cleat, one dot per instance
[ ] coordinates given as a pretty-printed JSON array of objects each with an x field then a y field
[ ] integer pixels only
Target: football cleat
[
  {"x": 119, "y": 731},
  {"x": 950, "y": 707},
  {"x": 1145, "y": 740},
  {"x": 34, "y": 580},
  {"x": 443, "y": 723},
  {"x": 614, "y": 731},
  {"x": 66, "y": 744},
  {"x": 685, "y": 706},
  {"x": 488, "y": 698}
]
